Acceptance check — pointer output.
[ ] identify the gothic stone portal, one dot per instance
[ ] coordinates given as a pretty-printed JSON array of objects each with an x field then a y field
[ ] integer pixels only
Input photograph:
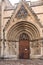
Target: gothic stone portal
[{"x": 24, "y": 47}]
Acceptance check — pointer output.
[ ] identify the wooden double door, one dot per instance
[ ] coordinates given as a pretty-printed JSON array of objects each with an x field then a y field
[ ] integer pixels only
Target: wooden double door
[{"x": 24, "y": 49}]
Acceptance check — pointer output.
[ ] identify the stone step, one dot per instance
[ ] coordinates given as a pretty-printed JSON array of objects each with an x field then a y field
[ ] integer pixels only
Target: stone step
[{"x": 21, "y": 62}]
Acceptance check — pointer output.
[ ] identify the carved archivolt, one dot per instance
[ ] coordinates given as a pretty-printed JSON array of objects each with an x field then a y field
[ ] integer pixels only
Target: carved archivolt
[{"x": 24, "y": 27}]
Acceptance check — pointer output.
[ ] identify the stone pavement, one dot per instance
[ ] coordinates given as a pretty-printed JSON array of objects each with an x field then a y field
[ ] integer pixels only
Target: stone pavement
[{"x": 22, "y": 62}]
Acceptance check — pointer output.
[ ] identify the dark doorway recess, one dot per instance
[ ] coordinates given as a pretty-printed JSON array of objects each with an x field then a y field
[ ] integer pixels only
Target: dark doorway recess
[{"x": 24, "y": 47}]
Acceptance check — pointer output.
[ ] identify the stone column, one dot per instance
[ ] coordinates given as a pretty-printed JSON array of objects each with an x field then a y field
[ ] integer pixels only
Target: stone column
[
  {"x": 17, "y": 49},
  {"x": 0, "y": 29},
  {"x": 2, "y": 11}
]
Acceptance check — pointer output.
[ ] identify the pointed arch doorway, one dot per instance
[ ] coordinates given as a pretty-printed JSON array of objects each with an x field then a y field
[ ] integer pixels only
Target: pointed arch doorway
[{"x": 24, "y": 46}]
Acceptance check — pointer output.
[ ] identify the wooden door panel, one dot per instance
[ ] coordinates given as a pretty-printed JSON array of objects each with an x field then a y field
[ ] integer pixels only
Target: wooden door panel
[
  {"x": 26, "y": 54},
  {"x": 24, "y": 49}
]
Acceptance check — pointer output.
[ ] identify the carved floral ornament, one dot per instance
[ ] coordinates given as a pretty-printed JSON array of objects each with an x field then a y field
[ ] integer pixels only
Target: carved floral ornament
[{"x": 22, "y": 13}]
